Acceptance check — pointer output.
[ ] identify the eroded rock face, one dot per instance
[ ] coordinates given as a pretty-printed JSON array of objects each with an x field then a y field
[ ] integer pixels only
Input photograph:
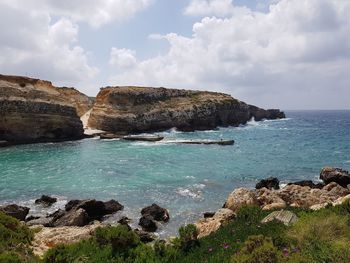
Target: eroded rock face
[
  {"x": 26, "y": 101},
  {"x": 81, "y": 102},
  {"x": 241, "y": 197},
  {"x": 139, "y": 109}
]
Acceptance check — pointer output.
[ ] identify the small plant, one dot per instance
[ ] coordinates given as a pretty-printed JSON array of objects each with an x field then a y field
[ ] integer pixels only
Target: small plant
[{"x": 188, "y": 237}]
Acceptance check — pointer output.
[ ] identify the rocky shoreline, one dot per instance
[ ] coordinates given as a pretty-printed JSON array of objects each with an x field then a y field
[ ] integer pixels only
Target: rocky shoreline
[
  {"x": 81, "y": 218},
  {"x": 59, "y": 112}
]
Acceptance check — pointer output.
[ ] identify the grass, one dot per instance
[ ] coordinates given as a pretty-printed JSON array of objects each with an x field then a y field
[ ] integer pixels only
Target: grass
[{"x": 318, "y": 236}]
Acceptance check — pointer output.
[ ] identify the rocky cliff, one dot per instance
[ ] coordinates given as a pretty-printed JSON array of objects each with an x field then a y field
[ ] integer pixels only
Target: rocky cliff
[
  {"x": 140, "y": 109},
  {"x": 33, "y": 110},
  {"x": 81, "y": 102}
]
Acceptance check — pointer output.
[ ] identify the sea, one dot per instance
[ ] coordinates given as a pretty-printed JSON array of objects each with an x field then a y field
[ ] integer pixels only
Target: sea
[{"x": 186, "y": 179}]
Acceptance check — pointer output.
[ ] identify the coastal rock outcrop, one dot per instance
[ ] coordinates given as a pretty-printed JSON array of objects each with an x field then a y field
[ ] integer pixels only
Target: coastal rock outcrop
[
  {"x": 19, "y": 212},
  {"x": 140, "y": 109},
  {"x": 337, "y": 175},
  {"x": 290, "y": 195},
  {"x": 81, "y": 102},
  {"x": 153, "y": 213},
  {"x": 46, "y": 200},
  {"x": 26, "y": 101},
  {"x": 269, "y": 183}
]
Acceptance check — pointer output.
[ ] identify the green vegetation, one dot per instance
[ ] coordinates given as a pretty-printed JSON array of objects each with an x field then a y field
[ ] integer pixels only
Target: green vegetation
[{"x": 318, "y": 236}]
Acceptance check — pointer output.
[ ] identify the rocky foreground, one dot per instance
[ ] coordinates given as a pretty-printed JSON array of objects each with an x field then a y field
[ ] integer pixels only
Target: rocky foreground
[{"x": 81, "y": 218}]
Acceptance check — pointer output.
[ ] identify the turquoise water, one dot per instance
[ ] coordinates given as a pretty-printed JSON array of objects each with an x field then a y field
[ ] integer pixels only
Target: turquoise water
[{"x": 186, "y": 179}]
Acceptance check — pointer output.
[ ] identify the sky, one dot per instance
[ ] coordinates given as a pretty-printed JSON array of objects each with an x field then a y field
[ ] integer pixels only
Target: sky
[{"x": 287, "y": 54}]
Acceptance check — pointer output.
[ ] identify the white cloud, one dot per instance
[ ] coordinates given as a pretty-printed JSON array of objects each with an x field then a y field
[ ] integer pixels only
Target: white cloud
[
  {"x": 33, "y": 46},
  {"x": 93, "y": 12},
  {"x": 297, "y": 51},
  {"x": 122, "y": 58},
  {"x": 209, "y": 7}
]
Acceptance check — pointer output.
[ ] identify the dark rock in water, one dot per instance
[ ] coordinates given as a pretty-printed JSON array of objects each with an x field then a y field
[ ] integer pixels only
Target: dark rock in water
[
  {"x": 260, "y": 114},
  {"x": 124, "y": 220},
  {"x": 308, "y": 183},
  {"x": 337, "y": 175},
  {"x": 46, "y": 200},
  {"x": 74, "y": 217},
  {"x": 148, "y": 224},
  {"x": 19, "y": 212},
  {"x": 156, "y": 212},
  {"x": 208, "y": 214},
  {"x": 112, "y": 206},
  {"x": 269, "y": 183},
  {"x": 95, "y": 209},
  {"x": 145, "y": 237}
]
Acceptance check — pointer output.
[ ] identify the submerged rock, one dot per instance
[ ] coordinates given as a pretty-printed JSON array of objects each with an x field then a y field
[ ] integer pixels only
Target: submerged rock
[
  {"x": 337, "y": 175},
  {"x": 46, "y": 200},
  {"x": 141, "y": 109},
  {"x": 18, "y": 212},
  {"x": 156, "y": 212},
  {"x": 269, "y": 183}
]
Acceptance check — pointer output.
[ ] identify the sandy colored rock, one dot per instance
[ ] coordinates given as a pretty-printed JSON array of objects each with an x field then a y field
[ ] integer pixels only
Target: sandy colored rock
[
  {"x": 241, "y": 197},
  {"x": 141, "y": 109},
  {"x": 81, "y": 102},
  {"x": 49, "y": 237},
  {"x": 25, "y": 101},
  {"x": 209, "y": 225}
]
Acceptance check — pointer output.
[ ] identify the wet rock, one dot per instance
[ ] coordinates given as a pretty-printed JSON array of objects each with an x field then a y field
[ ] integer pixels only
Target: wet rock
[
  {"x": 337, "y": 175},
  {"x": 308, "y": 183},
  {"x": 240, "y": 197},
  {"x": 74, "y": 217},
  {"x": 30, "y": 218},
  {"x": 112, "y": 206},
  {"x": 145, "y": 237},
  {"x": 156, "y": 212},
  {"x": 269, "y": 183},
  {"x": 46, "y": 200},
  {"x": 286, "y": 217},
  {"x": 148, "y": 224},
  {"x": 19, "y": 212}
]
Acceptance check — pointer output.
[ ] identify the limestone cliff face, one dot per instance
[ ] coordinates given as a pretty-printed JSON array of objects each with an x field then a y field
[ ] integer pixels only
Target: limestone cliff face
[
  {"x": 81, "y": 102},
  {"x": 33, "y": 110},
  {"x": 140, "y": 109}
]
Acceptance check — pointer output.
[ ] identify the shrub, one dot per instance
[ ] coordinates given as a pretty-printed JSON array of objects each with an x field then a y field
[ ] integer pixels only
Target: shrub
[
  {"x": 257, "y": 249},
  {"x": 188, "y": 237}
]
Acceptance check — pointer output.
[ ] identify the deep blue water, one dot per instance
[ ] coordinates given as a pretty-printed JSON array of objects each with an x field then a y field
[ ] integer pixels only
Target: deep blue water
[{"x": 186, "y": 179}]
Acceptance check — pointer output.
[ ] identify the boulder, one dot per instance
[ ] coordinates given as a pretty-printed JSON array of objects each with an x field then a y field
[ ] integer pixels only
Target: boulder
[
  {"x": 337, "y": 175},
  {"x": 208, "y": 214},
  {"x": 156, "y": 212},
  {"x": 46, "y": 200},
  {"x": 308, "y": 183},
  {"x": 41, "y": 221},
  {"x": 112, "y": 206},
  {"x": 19, "y": 212},
  {"x": 209, "y": 225},
  {"x": 269, "y": 183},
  {"x": 74, "y": 217},
  {"x": 240, "y": 197},
  {"x": 124, "y": 220},
  {"x": 269, "y": 199},
  {"x": 148, "y": 224}
]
